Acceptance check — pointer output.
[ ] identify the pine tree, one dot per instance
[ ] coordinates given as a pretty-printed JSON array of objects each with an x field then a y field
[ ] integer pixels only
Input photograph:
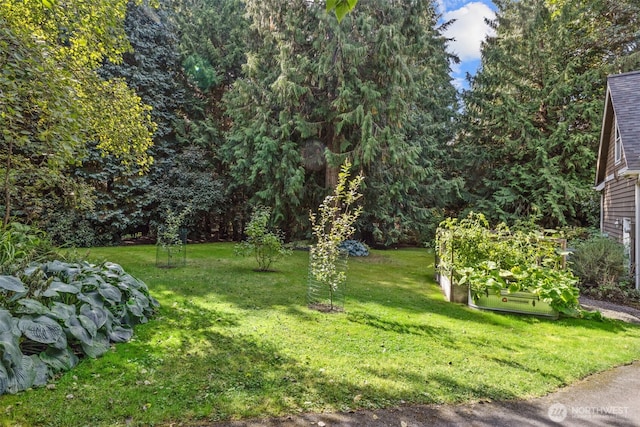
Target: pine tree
[
  {"x": 317, "y": 91},
  {"x": 532, "y": 115}
]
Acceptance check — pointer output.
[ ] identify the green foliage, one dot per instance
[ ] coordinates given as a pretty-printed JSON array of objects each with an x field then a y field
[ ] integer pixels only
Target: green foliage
[
  {"x": 557, "y": 287},
  {"x": 492, "y": 260},
  {"x": 315, "y": 92},
  {"x": 598, "y": 261},
  {"x": 20, "y": 245},
  {"x": 54, "y": 102},
  {"x": 171, "y": 238},
  {"x": 334, "y": 224},
  {"x": 54, "y": 311},
  {"x": 340, "y": 7},
  {"x": 266, "y": 246},
  {"x": 533, "y": 113}
]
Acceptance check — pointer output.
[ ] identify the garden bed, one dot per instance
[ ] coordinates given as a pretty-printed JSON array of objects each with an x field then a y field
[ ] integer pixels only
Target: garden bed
[{"x": 514, "y": 302}]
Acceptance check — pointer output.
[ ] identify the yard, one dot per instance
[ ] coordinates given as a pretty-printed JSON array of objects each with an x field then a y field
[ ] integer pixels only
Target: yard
[{"x": 233, "y": 343}]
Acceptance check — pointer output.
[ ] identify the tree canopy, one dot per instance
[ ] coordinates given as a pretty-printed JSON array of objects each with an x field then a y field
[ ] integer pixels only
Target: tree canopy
[
  {"x": 533, "y": 112},
  {"x": 53, "y": 102}
]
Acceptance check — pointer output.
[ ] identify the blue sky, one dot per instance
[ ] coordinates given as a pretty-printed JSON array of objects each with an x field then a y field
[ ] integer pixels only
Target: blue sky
[{"x": 468, "y": 31}]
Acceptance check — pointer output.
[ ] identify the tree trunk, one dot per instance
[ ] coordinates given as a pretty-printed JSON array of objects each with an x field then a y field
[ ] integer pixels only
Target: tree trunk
[{"x": 331, "y": 172}]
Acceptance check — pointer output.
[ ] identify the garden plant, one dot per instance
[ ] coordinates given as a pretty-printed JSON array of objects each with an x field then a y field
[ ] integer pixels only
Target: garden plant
[
  {"x": 333, "y": 224},
  {"x": 170, "y": 242},
  {"x": 266, "y": 246},
  {"x": 52, "y": 312},
  {"x": 491, "y": 260}
]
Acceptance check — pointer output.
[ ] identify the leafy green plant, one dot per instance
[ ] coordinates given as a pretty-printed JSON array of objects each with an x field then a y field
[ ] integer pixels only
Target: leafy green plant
[
  {"x": 557, "y": 287},
  {"x": 492, "y": 260},
  {"x": 598, "y": 261},
  {"x": 332, "y": 226},
  {"x": 66, "y": 310},
  {"x": 170, "y": 240},
  {"x": 265, "y": 245},
  {"x": 21, "y": 244}
]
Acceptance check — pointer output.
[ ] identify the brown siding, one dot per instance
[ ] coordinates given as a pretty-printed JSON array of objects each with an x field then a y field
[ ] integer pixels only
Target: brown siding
[{"x": 619, "y": 203}]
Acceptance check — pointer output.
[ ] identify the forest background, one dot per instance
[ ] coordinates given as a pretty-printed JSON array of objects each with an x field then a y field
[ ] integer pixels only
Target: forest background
[{"x": 114, "y": 114}]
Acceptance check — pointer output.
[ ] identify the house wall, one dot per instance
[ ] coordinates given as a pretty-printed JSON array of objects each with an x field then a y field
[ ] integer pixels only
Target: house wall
[{"x": 618, "y": 202}]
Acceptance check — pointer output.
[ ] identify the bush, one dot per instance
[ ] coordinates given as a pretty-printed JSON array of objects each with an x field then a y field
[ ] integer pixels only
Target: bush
[
  {"x": 21, "y": 244},
  {"x": 598, "y": 261},
  {"x": 266, "y": 246},
  {"x": 55, "y": 310},
  {"x": 354, "y": 248}
]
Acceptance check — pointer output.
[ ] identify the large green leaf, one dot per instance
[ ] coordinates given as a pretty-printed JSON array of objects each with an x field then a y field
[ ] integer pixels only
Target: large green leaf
[
  {"x": 93, "y": 298},
  {"x": 75, "y": 328},
  {"x": 97, "y": 314},
  {"x": 59, "y": 359},
  {"x": 12, "y": 283},
  {"x": 62, "y": 311},
  {"x": 4, "y": 379},
  {"x": 57, "y": 286},
  {"x": 88, "y": 324},
  {"x": 110, "y": 293},
  {"x": 41, "y": 329},
  {"x": 135, "y": 307},
  {"x": 10, "y": 353},
  {"x": 31, "y": 306},
  {"x": 41, "y": 371},
  {"x": 120, "y": 334},
  {"x": 98, "y": 346}
]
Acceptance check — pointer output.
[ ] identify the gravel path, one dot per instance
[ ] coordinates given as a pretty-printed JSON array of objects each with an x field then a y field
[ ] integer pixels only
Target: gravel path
[{"x": 611, "y": 310}]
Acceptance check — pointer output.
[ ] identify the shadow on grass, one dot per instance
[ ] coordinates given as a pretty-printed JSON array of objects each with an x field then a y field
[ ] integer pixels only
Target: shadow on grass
[{"x": 378, "y": 322}]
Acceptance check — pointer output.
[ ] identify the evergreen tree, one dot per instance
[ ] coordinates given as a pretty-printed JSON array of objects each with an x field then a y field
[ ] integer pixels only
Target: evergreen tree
[
  {"x": 212, "y": 49},
  {"x": 316, "y": 91},
  {"x": 532, "y": 115},
  {"x": 123, "y": 197},
  {"x": 53, "y": 101}
]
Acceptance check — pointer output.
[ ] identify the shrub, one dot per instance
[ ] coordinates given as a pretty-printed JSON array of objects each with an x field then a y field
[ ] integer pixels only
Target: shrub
[
  {"x": 21, "y": 244},
  {"x": 598, "y": 261},
  {"x": 354, "y": 248},
  {"x": 55, "y": 310},
  {"x": 266, "y": 246}
]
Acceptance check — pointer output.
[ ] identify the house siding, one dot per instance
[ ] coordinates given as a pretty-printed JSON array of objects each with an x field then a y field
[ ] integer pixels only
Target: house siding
[{"x": 619, "y": 201}]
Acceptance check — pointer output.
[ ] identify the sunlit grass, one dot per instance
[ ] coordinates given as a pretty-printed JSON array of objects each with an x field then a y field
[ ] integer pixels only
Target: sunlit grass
[{"x": 232, "y": 343}]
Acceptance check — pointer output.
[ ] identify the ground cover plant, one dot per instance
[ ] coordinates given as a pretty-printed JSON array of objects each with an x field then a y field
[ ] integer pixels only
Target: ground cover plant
[{"x": 231, "y": 343}]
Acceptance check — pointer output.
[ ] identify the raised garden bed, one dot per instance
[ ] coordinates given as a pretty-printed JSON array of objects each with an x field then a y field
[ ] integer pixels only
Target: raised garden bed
[{"x": 514, "y": 302}]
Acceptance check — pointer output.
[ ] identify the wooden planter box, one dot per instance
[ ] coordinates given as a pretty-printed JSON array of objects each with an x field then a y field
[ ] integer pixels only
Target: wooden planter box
[
  {"x": 515, "y": 302},
  {"x": 452, "y": 291}
]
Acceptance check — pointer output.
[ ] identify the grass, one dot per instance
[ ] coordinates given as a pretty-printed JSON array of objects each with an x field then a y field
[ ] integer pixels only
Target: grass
[{"x": 231, "y": 343}]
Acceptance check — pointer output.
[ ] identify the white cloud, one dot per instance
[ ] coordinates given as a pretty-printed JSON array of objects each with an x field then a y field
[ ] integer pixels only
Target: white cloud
[{"x": 468, "y": 30}]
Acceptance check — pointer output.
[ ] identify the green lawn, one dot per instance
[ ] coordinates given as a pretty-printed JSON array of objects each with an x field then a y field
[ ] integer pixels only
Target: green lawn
[{"x": 232, "y": 343}]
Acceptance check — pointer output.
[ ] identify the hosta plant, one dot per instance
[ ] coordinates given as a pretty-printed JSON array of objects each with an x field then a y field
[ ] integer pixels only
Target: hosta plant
[{"x": 55, "y": 311}]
